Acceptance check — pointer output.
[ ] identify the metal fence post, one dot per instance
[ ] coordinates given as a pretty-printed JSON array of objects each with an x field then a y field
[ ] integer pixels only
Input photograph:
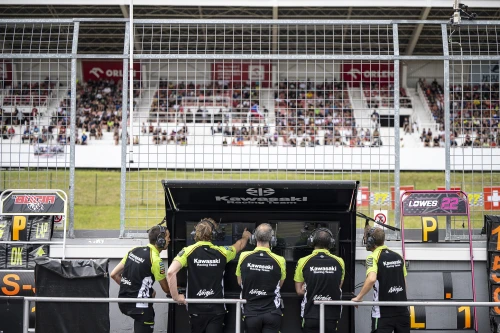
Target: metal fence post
[
  {"x": 26, "y": 315},
  {"x": 74, "y": 51},
  {"x": 447, "y": 140},
  {"x": 322, "y": 318},
  {"x": 397, "y": 203},
  {"x": 123, "y": 178},
  {"x": 237, "y": 326}
]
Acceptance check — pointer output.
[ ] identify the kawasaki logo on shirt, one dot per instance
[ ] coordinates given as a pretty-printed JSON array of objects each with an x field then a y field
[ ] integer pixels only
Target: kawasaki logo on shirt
[
  {"x": 329, "y": 269},
  {"x": 208, "y": 262},
  {"x": 392, "y": 264}
]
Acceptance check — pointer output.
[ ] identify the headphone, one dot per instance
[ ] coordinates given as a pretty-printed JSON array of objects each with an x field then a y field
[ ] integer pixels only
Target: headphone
[
  {"x": 370, "y": 241},
  {"x": 216, "y": 233},
  {"x": 160, "y": 240},
  {"x": 273, "y": 242},
  {"x": 312, "y": 239}
]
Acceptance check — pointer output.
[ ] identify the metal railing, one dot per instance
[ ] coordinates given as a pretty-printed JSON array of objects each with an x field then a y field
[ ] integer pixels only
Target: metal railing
[
  {"x": 322, "y": 305},
  {"x": 27, "y": 300}
]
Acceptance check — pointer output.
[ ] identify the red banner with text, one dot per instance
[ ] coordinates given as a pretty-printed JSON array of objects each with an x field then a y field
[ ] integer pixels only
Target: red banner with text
[
  {"x": 354, "y": 74},
  {"x": 5, "y": 72},
  {"x": 107, "y": 70},
  {"x": 254, "y": 73}
]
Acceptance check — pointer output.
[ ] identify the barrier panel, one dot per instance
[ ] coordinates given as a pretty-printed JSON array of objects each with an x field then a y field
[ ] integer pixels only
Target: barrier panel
[
  {"x": 27, "y": 301},
  {"x": 459, "y": 305}
]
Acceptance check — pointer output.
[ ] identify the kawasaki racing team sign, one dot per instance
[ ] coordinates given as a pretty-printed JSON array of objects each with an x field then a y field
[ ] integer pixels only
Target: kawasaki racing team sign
[
  {"x": 260, "y": 196},
  {"x": 439, "y": 204}
]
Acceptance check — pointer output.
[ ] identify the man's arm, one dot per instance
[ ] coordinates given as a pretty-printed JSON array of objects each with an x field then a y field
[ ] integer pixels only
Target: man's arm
[
  {"x": 174, "y": 268},
  {"x": 299, "y": 288},
  {"x": 240, "y": 244},
  {"x": 239, "y": 280},
  {"x": 116, "y": 274},
  {"x": 164, "y": 286},
  {"x": 341, "y": 283},
  {"x": 369, "y": 282}
]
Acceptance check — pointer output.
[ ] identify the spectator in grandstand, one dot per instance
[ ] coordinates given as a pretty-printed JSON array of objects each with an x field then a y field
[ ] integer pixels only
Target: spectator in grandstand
[
  {"x": 137, "y": 272},
  {"x": 11, "y": 132},
  {"x": 319, "y": 276},
  {"x": 84, "y": 138},
  {"x": 204, "y": 281},
  {"x": 389, "y": 283}
]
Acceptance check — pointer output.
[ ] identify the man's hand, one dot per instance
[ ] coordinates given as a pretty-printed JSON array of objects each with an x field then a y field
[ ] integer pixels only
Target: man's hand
[
  {"x": 357, "y": 299},
  {"x": 246, "y": 234},
  {"x": 180, "y": 299},
  {"x": 153, "y": 295}
]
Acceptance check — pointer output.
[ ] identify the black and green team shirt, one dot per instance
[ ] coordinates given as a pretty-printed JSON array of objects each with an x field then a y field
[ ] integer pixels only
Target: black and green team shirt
[
  {"x": 261, "y": 271},
  {"x": 142, "y": 267},
  {"x": 390, "y": 285},
  {"x": 205, "y": 264},
  {"x": 322, "y": 273}
]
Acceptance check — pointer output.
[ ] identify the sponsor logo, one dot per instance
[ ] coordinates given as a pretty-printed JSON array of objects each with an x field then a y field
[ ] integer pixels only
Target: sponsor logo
[
  {"x": 96, "y": 71},
  {"x": 201, "y": 261},
  {"x": 395, "y": 263},
  {"x": 322, "y": 298},
  {"x": 35, "y": 203},
  {"x": 260, "y": 267},
  {"x": 261, "y": 192},
  {"x": 328, "y": 269},
  {"x": 395, "y": 290},
  {"x": 205, "y": 293},
  {"x": 260, "y": 200},
  {"x": 257, "y": 292},
  {"x": 422, "y": 203},
  {"x": 126, "y": 281},
  {"x": 135, "y": 258}
]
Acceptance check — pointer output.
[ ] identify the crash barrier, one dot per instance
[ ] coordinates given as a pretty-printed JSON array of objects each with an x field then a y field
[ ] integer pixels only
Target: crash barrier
[
  {"x": 27, "y": 300},
  {"x": 322, "y": 305}
]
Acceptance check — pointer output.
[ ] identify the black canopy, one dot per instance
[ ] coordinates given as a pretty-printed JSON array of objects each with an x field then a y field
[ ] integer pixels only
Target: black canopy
[{"x": 223, "y": 195}]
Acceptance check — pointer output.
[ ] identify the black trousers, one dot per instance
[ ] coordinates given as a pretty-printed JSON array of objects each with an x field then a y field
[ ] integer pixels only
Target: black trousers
[
  {"x": 312, "y": 325},
  {"x": 263, "y": 323},
  {"x": 206, "y": 323},
  {"x": 398, "y": 324},
  {"x": 144, "y": 318}
]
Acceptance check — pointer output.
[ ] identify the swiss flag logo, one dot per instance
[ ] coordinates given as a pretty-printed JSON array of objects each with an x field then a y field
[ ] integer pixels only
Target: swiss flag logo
[
  {"x": 491, "y": 197},
  {"x": 363, "y": 198}
]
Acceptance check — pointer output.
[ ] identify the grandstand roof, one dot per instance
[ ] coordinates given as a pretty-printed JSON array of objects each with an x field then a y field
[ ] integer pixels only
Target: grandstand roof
[{"x": 107, "y": 37}]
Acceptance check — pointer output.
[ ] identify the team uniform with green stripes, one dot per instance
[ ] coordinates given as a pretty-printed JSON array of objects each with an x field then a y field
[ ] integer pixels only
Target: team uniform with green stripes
[
  {"x": 261, "y": 271},
  {"x": 391, "y": 287},
  {"x": 205, "y": 265},
  {"x": 322, "y": 273},
  {"x": 142, "y": 267}
]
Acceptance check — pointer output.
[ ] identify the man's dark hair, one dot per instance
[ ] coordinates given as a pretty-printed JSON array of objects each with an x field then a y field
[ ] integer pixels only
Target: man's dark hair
[
  {"x": 153, "y": 234},
  {"x": 263, "y": 233},
  {"x": 322, "y": 239}
]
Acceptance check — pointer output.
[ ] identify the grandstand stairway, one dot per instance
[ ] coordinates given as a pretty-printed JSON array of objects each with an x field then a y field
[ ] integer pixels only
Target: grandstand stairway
[
  {"x": 420, "y": 114},
  {"x": 267, "y": 101}
]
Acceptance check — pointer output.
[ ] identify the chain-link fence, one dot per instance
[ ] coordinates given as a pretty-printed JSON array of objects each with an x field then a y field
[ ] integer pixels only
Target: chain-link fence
[{"x": 236, "y": 99}]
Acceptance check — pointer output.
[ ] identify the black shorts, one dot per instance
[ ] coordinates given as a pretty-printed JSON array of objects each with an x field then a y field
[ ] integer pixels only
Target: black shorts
[
  {"x": 263, "y": 323},
  {"x": 144, "y": 318},
  {"x": 312, "y": 325},
  {"x": 398, "y": 324},
  {"x": 206, "y": 323}
]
